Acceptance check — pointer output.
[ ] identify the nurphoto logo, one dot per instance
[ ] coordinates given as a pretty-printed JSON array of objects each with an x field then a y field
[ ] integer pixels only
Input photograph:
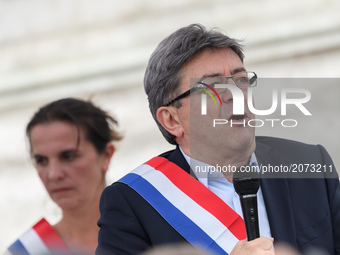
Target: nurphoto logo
[{"x": 238, "y": 104}]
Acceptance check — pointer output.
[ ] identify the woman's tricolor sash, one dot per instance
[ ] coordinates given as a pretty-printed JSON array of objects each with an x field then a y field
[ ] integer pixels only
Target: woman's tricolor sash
[
  {"x": 40, "y": 239},
  {"x": 196, "y": 213}
]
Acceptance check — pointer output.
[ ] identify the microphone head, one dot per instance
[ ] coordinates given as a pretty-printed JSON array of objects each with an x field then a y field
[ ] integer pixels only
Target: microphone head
[{"x": 246, "y": 182}]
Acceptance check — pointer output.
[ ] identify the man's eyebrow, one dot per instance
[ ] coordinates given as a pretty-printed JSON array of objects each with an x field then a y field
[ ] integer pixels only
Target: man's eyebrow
[
  {"x": 211, "y": 75},
  {"x": 236, "y": 70}
]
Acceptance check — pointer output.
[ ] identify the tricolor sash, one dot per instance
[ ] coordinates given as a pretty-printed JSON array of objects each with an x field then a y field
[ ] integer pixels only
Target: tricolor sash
[
  {"x": 196, "y": 213},
  {"x": 40, "y": 239}
]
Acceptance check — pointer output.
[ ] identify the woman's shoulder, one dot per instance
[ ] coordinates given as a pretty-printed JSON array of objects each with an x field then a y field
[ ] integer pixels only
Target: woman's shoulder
[{"x": 41, "y": 238}]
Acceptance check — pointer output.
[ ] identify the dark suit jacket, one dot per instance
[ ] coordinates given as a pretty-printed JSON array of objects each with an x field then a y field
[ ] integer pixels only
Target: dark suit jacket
[{"x": 302, "y": 212}]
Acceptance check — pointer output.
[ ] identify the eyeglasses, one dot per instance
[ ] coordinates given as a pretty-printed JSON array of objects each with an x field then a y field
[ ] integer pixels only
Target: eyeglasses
[{"x": 242, "y": 80}]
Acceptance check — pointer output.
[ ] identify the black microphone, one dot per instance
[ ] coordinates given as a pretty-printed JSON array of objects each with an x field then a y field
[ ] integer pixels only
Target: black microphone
[{"x": 246, "y": 184}]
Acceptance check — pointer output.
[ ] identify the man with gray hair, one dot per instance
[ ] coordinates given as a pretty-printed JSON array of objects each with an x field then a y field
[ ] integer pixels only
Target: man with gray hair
[{"x": 180, "y": 196}]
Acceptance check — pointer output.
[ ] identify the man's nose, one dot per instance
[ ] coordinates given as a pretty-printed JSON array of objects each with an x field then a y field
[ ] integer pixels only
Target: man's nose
[
  {"x": 226, "y": 96},
  {"x": 231, "y": 92}
]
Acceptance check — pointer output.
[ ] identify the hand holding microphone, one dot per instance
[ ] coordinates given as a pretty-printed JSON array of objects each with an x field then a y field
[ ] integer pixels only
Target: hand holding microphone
[{"x": 246, "y": 184}]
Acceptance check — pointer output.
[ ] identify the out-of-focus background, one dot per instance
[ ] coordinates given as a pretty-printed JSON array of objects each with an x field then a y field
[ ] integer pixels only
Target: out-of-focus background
[{"x": 51, "y": 49}]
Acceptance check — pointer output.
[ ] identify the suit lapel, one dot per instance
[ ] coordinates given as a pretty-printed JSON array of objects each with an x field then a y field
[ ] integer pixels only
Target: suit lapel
[
  {"x": 177, "y": 157},
  {"x": 276, "y": 197}
]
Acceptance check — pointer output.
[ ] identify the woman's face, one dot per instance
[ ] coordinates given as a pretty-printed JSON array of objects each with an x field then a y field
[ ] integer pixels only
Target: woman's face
[{"x": 73, "y": 175}]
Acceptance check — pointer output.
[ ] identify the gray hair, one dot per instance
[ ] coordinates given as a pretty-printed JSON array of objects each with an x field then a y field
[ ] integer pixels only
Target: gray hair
[{"x": 164, "y": 71}]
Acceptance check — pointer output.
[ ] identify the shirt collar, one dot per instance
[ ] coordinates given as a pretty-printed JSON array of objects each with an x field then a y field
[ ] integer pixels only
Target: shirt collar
[{"x": 205, "y": 171}]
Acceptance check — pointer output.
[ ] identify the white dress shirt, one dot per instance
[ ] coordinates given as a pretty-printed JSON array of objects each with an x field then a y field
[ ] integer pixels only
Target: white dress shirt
[{"x": 215, "y": 181}]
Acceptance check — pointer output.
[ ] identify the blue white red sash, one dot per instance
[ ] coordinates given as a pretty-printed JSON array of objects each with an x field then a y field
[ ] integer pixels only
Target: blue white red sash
[
  {"x": 200, "y": 216},
  {"x": 40, "y": 239}
]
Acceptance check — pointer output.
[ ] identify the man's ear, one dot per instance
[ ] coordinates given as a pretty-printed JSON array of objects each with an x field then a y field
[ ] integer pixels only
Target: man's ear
[{"x": 167, "y": 116}]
